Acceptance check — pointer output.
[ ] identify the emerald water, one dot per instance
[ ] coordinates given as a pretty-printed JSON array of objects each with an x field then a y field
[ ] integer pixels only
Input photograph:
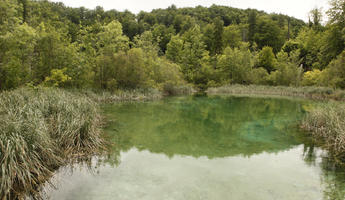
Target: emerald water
[{"x": 204, "y": 148}]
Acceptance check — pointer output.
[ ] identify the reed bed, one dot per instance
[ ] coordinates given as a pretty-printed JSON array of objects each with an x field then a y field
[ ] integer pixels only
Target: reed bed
[
  {"x": 318, "y": 93},
  {"x": 41, "y": 130},
  {"x": 326, "y": 123},
  {"x": 122, "y": 95}
]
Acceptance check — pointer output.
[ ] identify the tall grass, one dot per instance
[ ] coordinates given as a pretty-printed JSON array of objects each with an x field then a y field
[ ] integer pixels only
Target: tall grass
[
  {"x": 305, "y": 92},
  {"x": 327, "y": 124},
  {"x": 41, "y": 130},
  {"x": 122, "y": 95}
]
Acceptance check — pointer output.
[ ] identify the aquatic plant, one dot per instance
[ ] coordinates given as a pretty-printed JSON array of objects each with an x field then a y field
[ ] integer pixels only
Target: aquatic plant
[
  {"x": 121, "y": 95},
  {"x": 305, "y": 92},
  {"x": 40, "y": 130},
  {"x": 327, "y": 124}
]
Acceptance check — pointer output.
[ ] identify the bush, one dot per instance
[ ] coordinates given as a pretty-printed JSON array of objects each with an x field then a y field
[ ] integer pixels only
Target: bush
[
  {"x": 312, "y": 78},
  {"x": 259, "y": 76},
  {"x": 236, "y": 64},
  {"x": 288, "y": 72},
  {"x": 335, "y": 72}
]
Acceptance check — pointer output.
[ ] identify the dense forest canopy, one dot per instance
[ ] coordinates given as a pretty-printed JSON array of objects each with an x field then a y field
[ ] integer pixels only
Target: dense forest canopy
[{"x": 47, "y": 43}]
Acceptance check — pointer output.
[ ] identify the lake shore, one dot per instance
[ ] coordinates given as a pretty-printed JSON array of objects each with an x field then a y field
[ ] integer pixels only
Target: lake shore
[
  {"x": 42, "y": 129},
  {"x": 315, "y": 93},
  {"x": 61, "y": 126},
  {"x": 325, "y": 122}
]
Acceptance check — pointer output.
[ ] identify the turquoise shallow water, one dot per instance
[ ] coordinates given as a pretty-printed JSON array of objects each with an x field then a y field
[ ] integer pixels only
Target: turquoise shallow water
[{"x": 204, "y": 148}]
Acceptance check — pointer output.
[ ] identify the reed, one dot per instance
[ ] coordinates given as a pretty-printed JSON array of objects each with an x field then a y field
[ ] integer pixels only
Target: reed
[
  {"x": 319, "y": 93},
  {"x": 326, "y": 123},
  {"x": 40, "y": 130}
]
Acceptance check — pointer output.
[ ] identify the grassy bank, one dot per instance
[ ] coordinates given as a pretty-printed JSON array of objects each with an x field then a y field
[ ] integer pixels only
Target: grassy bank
[
  {"x": 318, "y": 93},
  {"x": 326, "y": 123},
  {"x": 41, "y": 130}
]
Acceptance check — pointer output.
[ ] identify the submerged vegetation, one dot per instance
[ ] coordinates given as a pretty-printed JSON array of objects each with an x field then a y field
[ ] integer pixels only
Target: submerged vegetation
[{"x": 41, "y": 130}]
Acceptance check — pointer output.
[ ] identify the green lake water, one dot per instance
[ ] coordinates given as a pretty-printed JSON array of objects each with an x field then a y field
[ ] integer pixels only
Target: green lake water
[{"x": 213, "y": 148}]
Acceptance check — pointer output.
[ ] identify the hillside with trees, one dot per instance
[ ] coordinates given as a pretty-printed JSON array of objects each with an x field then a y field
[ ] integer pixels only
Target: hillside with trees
[{"x": 47, "y": 43}]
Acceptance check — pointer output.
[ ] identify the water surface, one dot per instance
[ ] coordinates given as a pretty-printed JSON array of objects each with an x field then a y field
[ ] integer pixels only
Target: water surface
[{"x": 204, "y": 148}]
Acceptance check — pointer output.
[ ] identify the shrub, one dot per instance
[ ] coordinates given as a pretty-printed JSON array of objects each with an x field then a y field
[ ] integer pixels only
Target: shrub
[{"x": 312, "y": 78}]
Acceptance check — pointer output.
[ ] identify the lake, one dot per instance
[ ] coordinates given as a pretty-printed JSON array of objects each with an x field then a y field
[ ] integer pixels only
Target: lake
[{"x": 213, "y": 148}]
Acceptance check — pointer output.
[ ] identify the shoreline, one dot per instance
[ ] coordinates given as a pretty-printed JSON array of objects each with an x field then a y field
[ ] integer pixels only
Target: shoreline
[{"x": 50, "y": 105}]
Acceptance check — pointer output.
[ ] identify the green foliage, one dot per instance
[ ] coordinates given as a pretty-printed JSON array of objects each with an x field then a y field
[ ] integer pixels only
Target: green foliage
[
  {"x": 337, "y": 12},
  {"x": 288, "y": 72},
  {"x": 252, "y": 26},
  {"x": 16, "y": 56},
  {"x": 162, "y": 36},
  {"x": 111, "y": 39},
  {"x": 310, "y": 46},
  {"x": 335, "y": 72},
  {"x": 47, "y": 42},
  {"x": 57, "y": 78},
  {"x": 312, "y": 78},
  {"x": 268, "y": 34},
  {"x": 266, "y": 59},
  {"x": 232, "y": 36},
  {"x": 190, "y": 52},
  {"x": 236, "y": 64},
  {"x": 290, "y": 46},
  {"x": 174, "y": 49},
  {"x": 316, "y": 16},
  {"x": 259, "y": 76}
]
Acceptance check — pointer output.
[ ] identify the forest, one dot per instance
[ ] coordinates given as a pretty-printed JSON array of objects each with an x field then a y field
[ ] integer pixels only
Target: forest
[{"x": 44, "y": 43}]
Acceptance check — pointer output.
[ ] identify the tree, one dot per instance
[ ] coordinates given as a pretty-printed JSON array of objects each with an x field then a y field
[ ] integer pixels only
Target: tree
[
  {"x": 8, "y": 15},
  {"x": 218, "y": 35},
  {"x": 309, "y": 43},
  {"x": 252, "y": 26},
  {"x": 162, "y": 36},
  {"x": 236, "y": 65},
  {"x": 336, "y": 12},
  {"x": 266, "y": 59},
  {"x": 192, "y": 53},
  {"x": 111, "y": 38},
  {"x": 316, "y": 16},
  {"x": 288, "y": 72},
  {"x": 336, "y": 72},
  {"x": 17, "y": 56},
  {"x": 174, "y": 49},
  {"x": 268, "y": 34},
  {"x": 232, "y": 36}
]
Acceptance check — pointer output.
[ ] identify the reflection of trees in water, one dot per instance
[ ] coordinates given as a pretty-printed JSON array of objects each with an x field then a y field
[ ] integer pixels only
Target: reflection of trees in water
[
  {"x": 218, "y": 127},
  {"x": 212, "y": 127},
  {"x": 332, "y": 175}
]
